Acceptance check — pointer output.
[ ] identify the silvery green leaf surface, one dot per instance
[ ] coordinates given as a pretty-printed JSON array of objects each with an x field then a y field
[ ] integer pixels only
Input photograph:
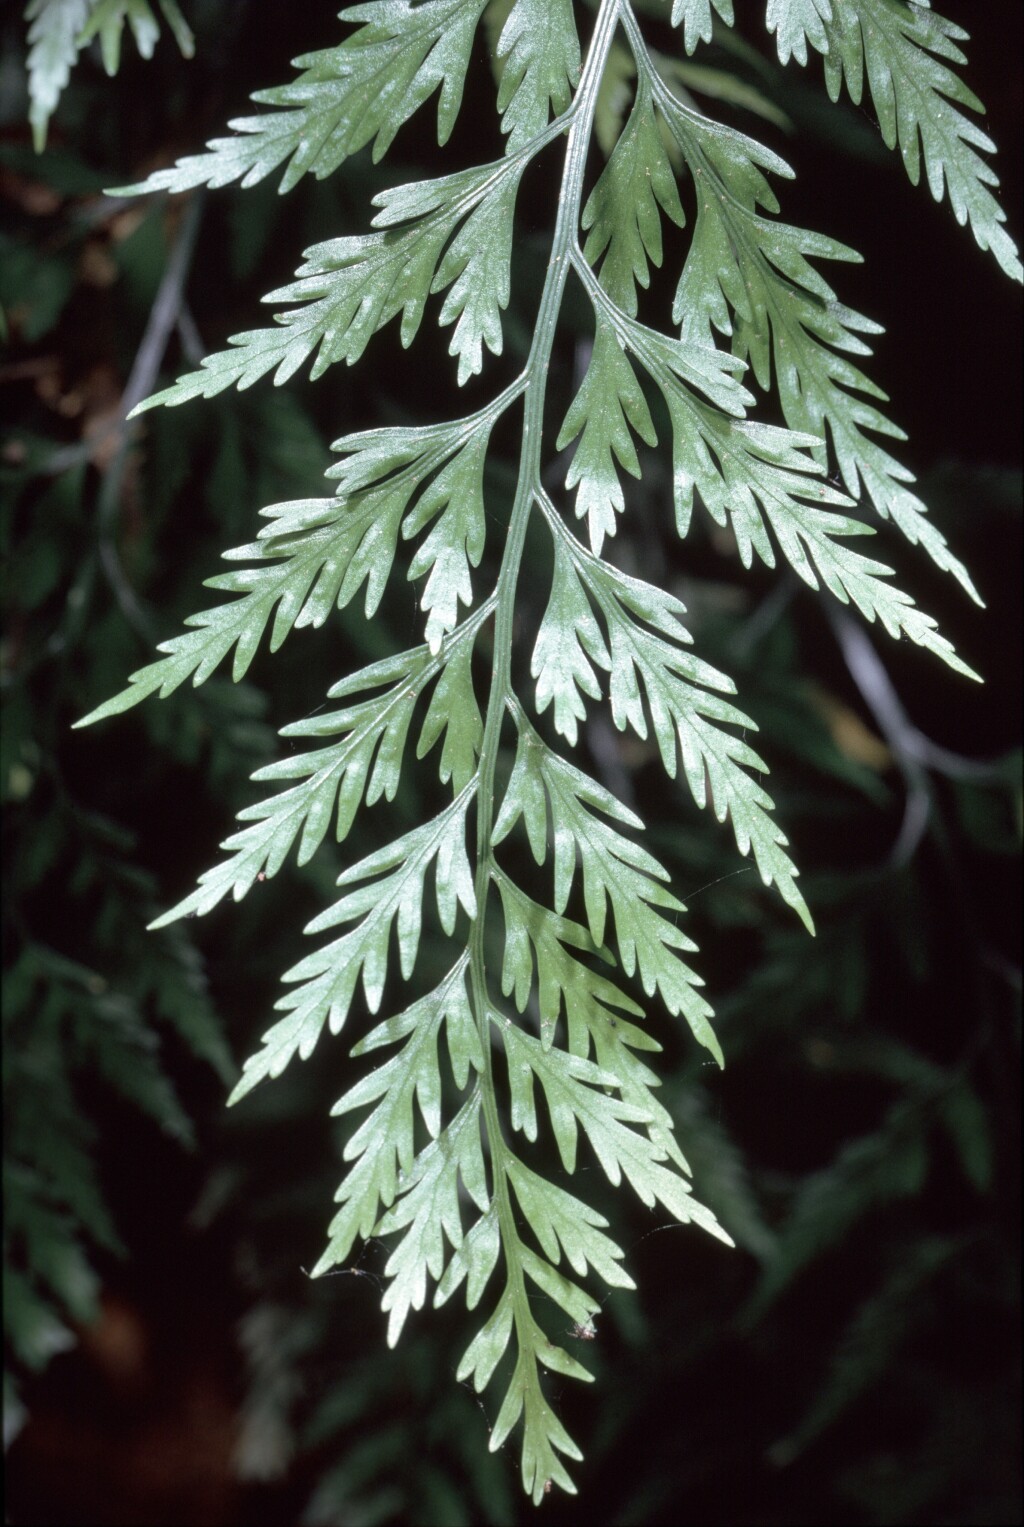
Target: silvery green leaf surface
[
  {"x": 905, "y": 53},
  {"x": 650, "y": 672},
  {"x": 731, "y": 284},
  {"x": 382, "y": 1149},
  {"x": 427, "y": 1210},
  {"x": 53, "y": 30},
  {"x": 608, "y": 405},
  {"x": 316, "y": 554},
  {"x": 391, "y": 901},
  {"x": 618, "y": 875},
  {"x": 697, "y": 20},
  {"x": 535, "y": 1055},
  {"x": 638, "y": 171},
  {"x": 58, "y": 30},
  {"x": 360, "y": 92},
  {"x": 539, "y": 54},
  {"x": 352, "y": 287}
]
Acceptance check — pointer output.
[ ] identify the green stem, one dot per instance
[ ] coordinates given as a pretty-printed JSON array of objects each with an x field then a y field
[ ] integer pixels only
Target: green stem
[{"x": 528, "y": 484}]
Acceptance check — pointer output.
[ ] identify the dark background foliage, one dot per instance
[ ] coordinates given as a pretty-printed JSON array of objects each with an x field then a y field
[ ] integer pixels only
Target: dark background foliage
[{"x": 856, "y": 1358}]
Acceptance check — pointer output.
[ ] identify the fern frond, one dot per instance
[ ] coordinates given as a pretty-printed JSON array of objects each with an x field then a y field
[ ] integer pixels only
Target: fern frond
[
  {"x": 617, "y": 874},
  {"x": 754, "y": 476},
  {"x": 566, "y": 1225},
  {"x": 353, "y": 287},
  {"x": 577, "y": 1098},
  {"x": 696, "y": 19},
  {"x": 435, "y": 1163},
  {"x": 391, "y": 900},
  {"x": 428, "y": 1211},
  {"x": 107, "y": 22},
  {"x": 544, "y": 1436},
  {"x": 317, "y": 554},
  {"x": 749, "y": 277},
  {"x": 624, "y": 209},
  {"x": 905, "y": 52},
  {"x": 643, "y": 646},
  {"x": 608, "y": 404},
  {"x": 362, "y": 91},
  {"x": 539, "y": 54},
  {"x": 383, "y": 1147},
  {"x": 53, "y": 29},
  {"x": 365, "y": 762},
  {"x": 58, "y": 30}
]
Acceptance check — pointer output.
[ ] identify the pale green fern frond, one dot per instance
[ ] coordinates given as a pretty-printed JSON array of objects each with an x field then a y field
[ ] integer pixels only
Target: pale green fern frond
[
  {"x": 107, "y": 21},
  {"x": 748, "y": 276},
  {"x": 546, "y": 1040},
  {"x": 354, "y": 286},
  {"x": 392, "y": 900},
  {"x": 53, "y": 30},
  {"x": 384, "y": 1144},
  {"x": 58, "y": 30},
  {"x": 346, "y": 97},
  {"x": 539, "y": 54},
  {"x": 638, "y": 172},
  {"x": 650, "y": 670},
  {"x": 428, "y": 1212},
  {"x": 905, "y": 51},
  {"x": 317, "y": 554},
  {"x": 697, "y": 21}
]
